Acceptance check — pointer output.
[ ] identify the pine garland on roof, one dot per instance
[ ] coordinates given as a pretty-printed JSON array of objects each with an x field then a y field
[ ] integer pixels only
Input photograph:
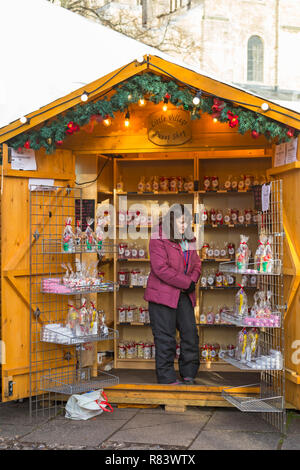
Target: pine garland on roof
[{"x": 155, "y": 88}]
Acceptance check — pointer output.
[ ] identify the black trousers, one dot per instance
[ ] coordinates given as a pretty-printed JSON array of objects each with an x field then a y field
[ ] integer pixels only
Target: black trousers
[{"x": 164, "y": 321}]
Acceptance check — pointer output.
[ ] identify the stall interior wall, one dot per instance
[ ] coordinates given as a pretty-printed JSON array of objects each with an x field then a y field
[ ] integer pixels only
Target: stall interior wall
[{"x": 15, "y": 261}]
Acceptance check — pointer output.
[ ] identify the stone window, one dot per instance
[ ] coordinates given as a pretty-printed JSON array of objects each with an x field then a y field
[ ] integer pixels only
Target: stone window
[{"x": 255, "y": 59}]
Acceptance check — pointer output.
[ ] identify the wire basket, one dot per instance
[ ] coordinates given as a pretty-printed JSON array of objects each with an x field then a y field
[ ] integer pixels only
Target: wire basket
[
  {"x": 59, "y": 334},
  {"x": 72, "y": 381},
  {"x": 255, "y": 403},
  {"x": 231, "y": 267},
  {"x": 273, "y": 321}
]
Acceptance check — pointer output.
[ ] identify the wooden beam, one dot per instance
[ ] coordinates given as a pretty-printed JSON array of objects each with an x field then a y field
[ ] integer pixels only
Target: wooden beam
[{"x": 283, "y": 169}]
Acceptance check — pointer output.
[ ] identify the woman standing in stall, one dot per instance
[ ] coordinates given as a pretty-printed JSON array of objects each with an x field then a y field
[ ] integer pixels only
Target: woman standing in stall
[{"x": 170, "y": 291}]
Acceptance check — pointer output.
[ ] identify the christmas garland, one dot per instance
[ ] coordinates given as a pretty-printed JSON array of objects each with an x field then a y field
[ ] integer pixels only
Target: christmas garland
[{"x": 156, "y": 89}]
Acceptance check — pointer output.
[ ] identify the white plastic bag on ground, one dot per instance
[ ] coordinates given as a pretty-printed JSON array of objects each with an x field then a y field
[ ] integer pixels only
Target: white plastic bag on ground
[{"x": 87, "y": 405}]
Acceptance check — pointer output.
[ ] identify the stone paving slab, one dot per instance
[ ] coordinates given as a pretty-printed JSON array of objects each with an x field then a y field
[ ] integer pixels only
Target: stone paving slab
[
  {"x": 190, "y": 411},
  {"x": 68, "y": 432},
  {"x": 235, "y": 420},
  {"x": 292, "y": 442},
  {"x": 168, "y": 429},
  {"x": 294, "y": 424},
  {"x": 231, "y": 440}
]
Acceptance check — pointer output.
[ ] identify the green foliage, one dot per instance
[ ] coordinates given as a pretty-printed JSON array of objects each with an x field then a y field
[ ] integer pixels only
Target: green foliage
[{"x": 154, "y": 88}]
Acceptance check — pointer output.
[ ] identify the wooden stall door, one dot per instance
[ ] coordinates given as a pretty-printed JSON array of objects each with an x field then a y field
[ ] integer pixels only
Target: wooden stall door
[{"x": 15, "y": 263}]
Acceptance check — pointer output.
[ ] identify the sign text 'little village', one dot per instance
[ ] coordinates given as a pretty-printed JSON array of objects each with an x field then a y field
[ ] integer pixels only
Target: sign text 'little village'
[{"x": 172, "y": 127}]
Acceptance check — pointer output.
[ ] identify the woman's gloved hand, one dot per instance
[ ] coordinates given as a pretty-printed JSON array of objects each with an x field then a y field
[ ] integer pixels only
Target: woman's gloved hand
[{"x": 191, "y": 288}]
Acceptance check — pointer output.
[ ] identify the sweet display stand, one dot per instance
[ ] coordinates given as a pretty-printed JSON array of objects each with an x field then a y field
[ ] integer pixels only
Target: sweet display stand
[{"x": 56, "y": 369}]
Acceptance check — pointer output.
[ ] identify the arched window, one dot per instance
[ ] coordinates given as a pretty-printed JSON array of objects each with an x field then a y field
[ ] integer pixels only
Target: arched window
[{"x": 255, "y": 62}]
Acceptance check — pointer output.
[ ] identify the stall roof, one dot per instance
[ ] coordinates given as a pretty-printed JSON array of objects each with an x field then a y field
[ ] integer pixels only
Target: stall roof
[{"x": 45, "y": 50}]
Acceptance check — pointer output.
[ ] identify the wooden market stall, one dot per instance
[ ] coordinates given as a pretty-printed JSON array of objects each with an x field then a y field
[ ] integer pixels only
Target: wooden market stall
[{"x": 105, "y": 153}]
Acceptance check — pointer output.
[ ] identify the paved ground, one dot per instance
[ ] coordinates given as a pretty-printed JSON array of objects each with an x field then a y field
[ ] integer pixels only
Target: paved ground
[{"x": 197, "y": 428}]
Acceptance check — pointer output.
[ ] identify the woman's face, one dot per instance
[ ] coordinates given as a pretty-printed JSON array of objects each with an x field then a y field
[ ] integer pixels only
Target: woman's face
[{"x": 181, "y": 225}]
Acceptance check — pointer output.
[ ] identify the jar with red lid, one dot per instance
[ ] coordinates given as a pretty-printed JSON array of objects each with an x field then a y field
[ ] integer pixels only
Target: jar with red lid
[
  {"x": 122, "y": 314},
  {"x": 122, "y": 247},
  {"x": 227, "y": 217},
  {"x": 234, "y": 216},
  {"x": 213, "y": 216},
  {"x": 177, "y": 350},
  {"x": 213, "y": 352},
  {"x": 231, "y": 250},
  {"x": 180, "y": 183},
  {"x": 164, "y": 184},
  {"x": 137, "y": 218},
  {"x": 214, "y": 183},
  {"x": 123, "y": 277},
  {"x": 219, "y": 279},
  {"x": 206, "y": 183},
  {"x": 217, "y": 349},
  {"x": 142, "y": 252},
  {"x": 122, "y": 218},
  {"x": 122, "y": 351},
  {"x": 147, "y": 351},
  {"x": 204, "y": 216},
  {"x": 231, "y": 350},
  {"x": 248, "y": 216},
  {"x": 241, "y": 217},
  {"x": 134, "y": 251},
  {"x": 140, "y": 350},
  {"x": 131, "y": 313},
  {"x": 134, "y": 277},
  {"x": 142, "y": 314},
  {"x": 101, "y": 275},
  {"x": 127, "y": 252},
  {"x": 173, "y": 184},
  {"x": 219, "y": 217}
]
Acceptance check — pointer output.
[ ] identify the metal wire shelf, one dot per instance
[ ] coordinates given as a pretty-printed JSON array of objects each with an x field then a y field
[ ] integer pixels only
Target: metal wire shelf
[
  {"x": 247, "y": 321},
  {"x": 256, "y": 404},
  {"x": 60, "y": 289},
  {"x": 63, "y": 335},
  {"x": 70, "y": 382},
  {"x": 230, "y": 267},
  {"x": 54, "y": 246},
  {"x": 243, "y": 366}
]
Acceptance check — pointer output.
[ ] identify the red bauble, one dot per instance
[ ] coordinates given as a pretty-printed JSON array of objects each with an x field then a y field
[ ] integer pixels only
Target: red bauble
[
  {"x": 27, "y": 144},
  {"x": 70, "y": 125},
  {"x": 167, "y": 96},
  {"x": 59, "y": 142},
  {"x": 233, "y": 122},
  {"x": 19, "y": 149},
  {"x": 290, "y": 132},
  {"x": 69, "y": 131},
  {"x": 255, "y": 134},
  {"x": 76, "y": 128}
]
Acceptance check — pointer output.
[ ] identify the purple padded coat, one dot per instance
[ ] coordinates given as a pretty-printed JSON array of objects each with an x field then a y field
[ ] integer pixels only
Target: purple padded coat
[{"x": 167, "y": 276}]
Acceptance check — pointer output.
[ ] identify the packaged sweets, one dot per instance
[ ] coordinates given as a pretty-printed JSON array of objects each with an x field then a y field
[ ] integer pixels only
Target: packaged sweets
[
  {"x": 122, "y": 314},
  {"x": 248, "y": 182},
  {"x": 216, "y": 252},
  {"x": 141, "y": 185},
  {"x": 142, "y": 253},
  {"x": 213, "y": 216},
  {"x": 234, "y": 183},
  {"x": 242, "y": 254},
  {"x": 219, "y": 217},
  {"x": 217, "y": 316},
  {"x": 68, "y": 238},
  {"x": 163, "y": 183},
  {"x": 268, "y": 260},
  {"x": 248, "y": 216},
  {"x": 153, "y": 350},
  {"x": 72, "y": 318},
  {"x": 203, "y": 318},
  {"x": 131, "y": 313},
  {"x": 242, "y": 340},
  {"x": 227, "y": 183},
  {"x": 203, "y": 280},
  {"x": 252, "y": 343},
  {"x": 210, "y": 252},
  {"x": 122, "y": 218},
  {"x": 241, "y": 217},
  {"x": 78, "y": 236},
  {"x": 148, "y": 185},
  {"x": 206, "y": 183},
  {"x": 99, "y": 233},
  {"x": 230, "y": 279},
  {"x": 134, "y": 251},
  {"x": 180, "y": 183},
  {"x": 255, "y": 180},
  {"x": 173, "y": 184},
  {"x": 227, "y": 217},
  {"x": 219, "y": 279},
  {"x": 241, "y": 303},
  {"x": 210, "y": 317},
  {"x": 127, "y": 252},
  {"x": 231, "y": 250},
  {"x": 223, "y": 251},
  {"x": 140, "y": 349},
  {"x": 122, "y": 248},
  {"x": 89, "y": 235},
  {"x": 122, "y": 350},
  {"x": 260, "y": 253},
  {"x": 155, "y": 184},
  {"x": 211, "y": 279},
  {"x": 204, "y": 216},
  {"x": 241, "y": 183},
  {"x": 214, "y": 183},
  {"x": 134, "y": 277},
  {"x": 93, "y": 319},
  {"x": 142, "y": 314},
  {"x": 234, "y": 216},
  {"x": 185, "y": 184},
  {"x": 147, "y": 351},
  {"x": 83, "y": 318},
  {"x": 123, "y": 278},
  {"x": 190, "y": 183},
  {"x": 177, "y": 350}
]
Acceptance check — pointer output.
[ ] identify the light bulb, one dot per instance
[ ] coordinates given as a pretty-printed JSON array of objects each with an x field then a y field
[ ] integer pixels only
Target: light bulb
[
  {"x": 165, "y": 107},
  {"x": 127, "y": 119},
  {"x": 84, "y": 96},
  {"x": 215, "y": 120},
  {"x": 107, "y": 122},
  {"x": 23, "y": 119},
  {"x": 265, "y": 107},
  {"x": 129, "y": 97},
  {"x": 140, "y": 60},
  {"x": 196, "y": 100},
  {"x": 142, "y": 102}
]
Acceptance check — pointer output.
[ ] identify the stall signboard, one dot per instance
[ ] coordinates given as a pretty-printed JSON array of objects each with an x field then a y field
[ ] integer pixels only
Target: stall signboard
[{"x": 171, "y": 127}]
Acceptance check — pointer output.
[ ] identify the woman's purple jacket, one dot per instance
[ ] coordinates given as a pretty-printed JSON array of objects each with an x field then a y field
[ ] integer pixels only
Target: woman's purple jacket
[{"x": 167, "y": 276}]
